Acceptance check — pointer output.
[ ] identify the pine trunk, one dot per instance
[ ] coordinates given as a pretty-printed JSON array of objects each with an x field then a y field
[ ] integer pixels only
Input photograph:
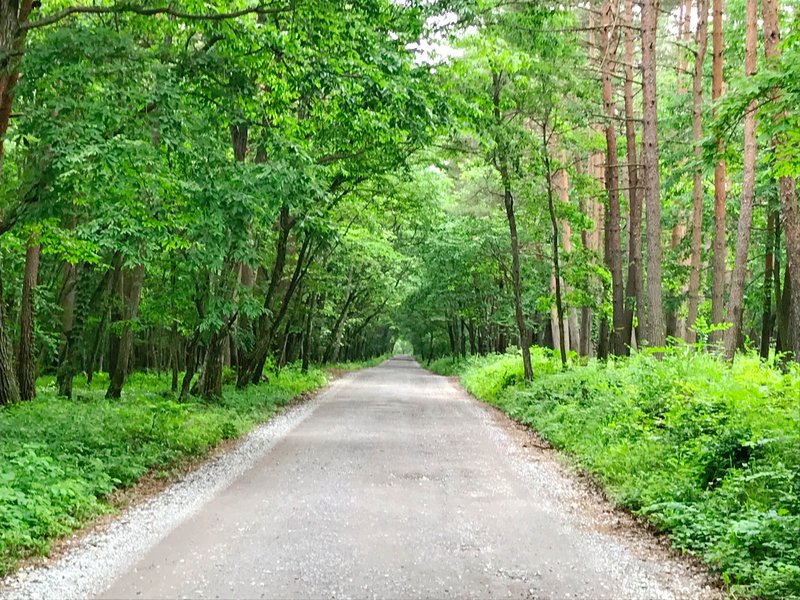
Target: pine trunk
[
  {"x": 654, "y": 331},
  {"x": 634, "y": 287},
  {"x": 787, "y": 192},
  {"x": 701, "y": 39},
  {"x": 719, "y": 248},
  {"x": 736, "y": 298}
]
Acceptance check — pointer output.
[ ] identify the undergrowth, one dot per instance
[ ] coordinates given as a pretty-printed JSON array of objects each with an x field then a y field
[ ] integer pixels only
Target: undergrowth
[
  {"x": 707, "y": 452},
  {"x": 61, "y": 459}
]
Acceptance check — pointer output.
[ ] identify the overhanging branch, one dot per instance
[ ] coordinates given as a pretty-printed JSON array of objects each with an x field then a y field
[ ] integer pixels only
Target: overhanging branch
[{"x": 150, "y": 11}]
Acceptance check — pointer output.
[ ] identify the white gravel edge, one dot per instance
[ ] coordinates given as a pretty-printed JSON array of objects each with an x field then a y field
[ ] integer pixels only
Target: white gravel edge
[{"x": 102, "y": 555}]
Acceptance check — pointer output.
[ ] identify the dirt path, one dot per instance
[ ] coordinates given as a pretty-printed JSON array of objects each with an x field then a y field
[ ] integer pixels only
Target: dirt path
[{"x": 392, "y": 484}]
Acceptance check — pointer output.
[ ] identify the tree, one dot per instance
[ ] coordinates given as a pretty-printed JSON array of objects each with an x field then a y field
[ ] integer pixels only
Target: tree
[
  {"x": 719, "y": 250},
  {"x": 701, "y": 42},
  {"x": 654, "y": 331},
  {"x": 748, "y": 191}
]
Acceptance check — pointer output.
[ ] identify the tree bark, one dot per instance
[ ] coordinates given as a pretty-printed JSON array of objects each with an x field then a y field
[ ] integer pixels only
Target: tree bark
[
  {"x": 766, "y": 310},
  {"x": 701, "y": 39},
  {"x": 508, "y": 201},
  {"x": 787, "y": 192},
  {"x": 655, "y": 315},
  {"x": 719, "y": 248},
  {"x": 562, "y": 346},
  {"x": 308, "y": 331},
  {"x": 26, "y": 369},
  {"x": 748, "y": 190},
  {"x": 134, "y": 283},
  {"x": 9, "y": 390},
  {"x": 634, "y": 287},
  {"x": 64, "y": 375},
  {"x": 561, "y": 182},
  {"x": 614, "y": 251}
]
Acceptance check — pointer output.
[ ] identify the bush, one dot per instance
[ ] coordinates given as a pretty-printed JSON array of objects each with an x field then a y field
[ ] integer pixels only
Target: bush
[{"x": 708, "y": 452}]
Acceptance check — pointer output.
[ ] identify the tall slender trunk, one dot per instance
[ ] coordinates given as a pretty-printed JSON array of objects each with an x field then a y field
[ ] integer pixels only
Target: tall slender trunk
[
  {"x": 117, "y": 313},
  {"x": 701, "y": 38},
  {"x": 748, "y": 190},
  {"x": 655, "y": 314},
  {"x": 508, "y": 202},
  {"x": 719, "y": 247},
  {"x": 308, "y": 331},
  {"x": 251, "y": 362},
  {"x": 9, "y": 389},
  {"x": 94, "y": 353},
  {"x": 64, "y": 375},
  {"x": 634, "y": 287},
  {"x": 787, "y": 191},
  {"x": 133, "y": 292},
  {"x": 173, "y": 355},
  {"x": 556, "y": 265},
  {"x": 766, "y": 307},
  {"x": 332, "y": 349},
  {"x": 26, "y": 370},
  {"x": 614, "y": 255},
  {"x": 561, "y": 181}
]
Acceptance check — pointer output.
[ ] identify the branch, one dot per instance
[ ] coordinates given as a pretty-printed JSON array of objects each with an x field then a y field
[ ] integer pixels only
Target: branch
[{"x": 145, "y": 11}]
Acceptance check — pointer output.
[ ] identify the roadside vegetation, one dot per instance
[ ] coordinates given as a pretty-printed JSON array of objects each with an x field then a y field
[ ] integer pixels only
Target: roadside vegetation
[
  {"x": 62, "y": 459},
  {"x": 706, "y": 451}
]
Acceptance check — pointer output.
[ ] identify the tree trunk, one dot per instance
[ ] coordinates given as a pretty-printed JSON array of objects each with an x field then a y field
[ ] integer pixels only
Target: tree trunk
[
  {"x": 562, "y": 347},
  {"x": 26, "y": 370},
  {"x": 701, "y": 38},
  {"x": 210, "y": 385},
  {"x": 173, "y": 355},
  {"x": 336, "y": 332},
  {"x": 9, "y": 389},
  {"x": 561, "y": 182},
  {"x": 766, "y": 311},
  {"x": 787, "y": 191},
  {"x": 307, "y": 332},
  {"x": 64, "y": 375},
  {"x": 13, "y": 14},
  {"x": 95, "y": 350},
  {"x": 117, "y": 314},
  {"x": 736, "y": 298},
  {"x": 654, "y": 331},
  {"x": 719, "y": 248},
  {"x": 634, "y": 287},
  {"x": 134, "y": 283},
  {"x": 614, "y": 254},
  {"x": 508, "y": 201}
]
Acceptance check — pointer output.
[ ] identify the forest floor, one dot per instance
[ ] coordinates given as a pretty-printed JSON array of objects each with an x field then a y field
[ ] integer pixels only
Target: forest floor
[{"x": 393, "y": 482}]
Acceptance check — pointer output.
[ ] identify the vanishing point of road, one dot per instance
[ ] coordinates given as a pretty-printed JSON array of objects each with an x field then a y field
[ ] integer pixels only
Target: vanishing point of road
[{"x": 392, "y": 483}]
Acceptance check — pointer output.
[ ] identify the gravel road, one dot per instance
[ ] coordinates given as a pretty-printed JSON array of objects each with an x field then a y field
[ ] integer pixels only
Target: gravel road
[{"x": 393, "y": 483}]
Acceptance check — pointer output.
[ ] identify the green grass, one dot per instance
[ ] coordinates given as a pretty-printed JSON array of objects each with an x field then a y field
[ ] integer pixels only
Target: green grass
[
  {"x": 61, "y": 459},
  {"x": 707, "y": 452}
]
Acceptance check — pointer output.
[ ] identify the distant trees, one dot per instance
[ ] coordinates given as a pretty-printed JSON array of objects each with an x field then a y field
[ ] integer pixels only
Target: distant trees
[{"x": 713, "y": 286}]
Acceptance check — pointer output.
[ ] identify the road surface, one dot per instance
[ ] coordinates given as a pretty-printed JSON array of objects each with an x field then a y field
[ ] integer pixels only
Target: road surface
[{"x": 394, "y": 484}]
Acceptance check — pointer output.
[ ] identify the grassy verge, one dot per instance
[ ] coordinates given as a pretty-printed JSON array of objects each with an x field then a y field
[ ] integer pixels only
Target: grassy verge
[
  {"x": 707, "y": 452},
  {"x": 61, "y": 459}
]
